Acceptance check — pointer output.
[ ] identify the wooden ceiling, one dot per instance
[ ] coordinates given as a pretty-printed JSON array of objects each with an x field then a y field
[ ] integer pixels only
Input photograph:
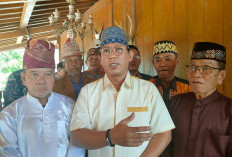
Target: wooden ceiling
[{"x": 20, "y": 19}]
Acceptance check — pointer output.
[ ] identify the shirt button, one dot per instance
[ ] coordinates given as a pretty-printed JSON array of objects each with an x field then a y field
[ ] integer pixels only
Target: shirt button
[
  {"x": 191, "y": 135},
  {"x": 194, "y": 117}
]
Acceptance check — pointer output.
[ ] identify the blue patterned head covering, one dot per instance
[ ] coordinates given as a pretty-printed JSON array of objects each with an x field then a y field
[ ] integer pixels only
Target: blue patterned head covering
[{"x": 113, "y": 35}]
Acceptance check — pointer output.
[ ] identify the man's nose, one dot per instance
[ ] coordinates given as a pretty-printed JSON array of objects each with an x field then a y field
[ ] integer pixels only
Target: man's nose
[
  {"x": 41, "y": 79},
  {"x": 112, "y": 55},
  {"x": 197, "y": 72}
]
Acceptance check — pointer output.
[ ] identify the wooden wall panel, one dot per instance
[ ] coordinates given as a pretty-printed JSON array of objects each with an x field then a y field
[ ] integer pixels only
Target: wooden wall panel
[
  {"x": 181, "y": 35},
  {"x": 195, "y": 23},
  {"x": 157, "y": 26},
  {"x": 119, "y": 12},
  {"x": 228, "y": 43},
  {"x": 168, "y": 20},
  {"x": 139, "y": 30},
  {"x": 147, "y": 37},
  {"x": 213, "y": 18},
  {"x": 213, "y": 21}
]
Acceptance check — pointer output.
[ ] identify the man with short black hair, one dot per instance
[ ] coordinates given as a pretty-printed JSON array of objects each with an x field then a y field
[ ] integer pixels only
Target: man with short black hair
[
  {"x": 165, "y": 61},
  {"x": 61, "y": 70},
  {"x": 135, "y": 63}
]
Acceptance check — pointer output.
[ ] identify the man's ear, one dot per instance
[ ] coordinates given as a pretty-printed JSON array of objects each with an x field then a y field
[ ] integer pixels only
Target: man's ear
[
  {"x": 22, "y": 74},
  {"x": 221, "y": 76}
]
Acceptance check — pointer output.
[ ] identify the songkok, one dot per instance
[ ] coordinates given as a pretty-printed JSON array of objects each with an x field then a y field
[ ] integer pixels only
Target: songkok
[
  {"x": 70, "y": 49},
  {"x": 93, "y": 51},
  {"x": 209, "y": 50},
  {"x": 164, "y": 47},
  {"x": 113, "y": 35},
  {"x": 38, "y": 54}
]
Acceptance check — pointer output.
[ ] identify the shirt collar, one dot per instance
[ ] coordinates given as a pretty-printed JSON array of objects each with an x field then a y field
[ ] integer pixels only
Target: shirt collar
[
  {"x": 34, "y": 100},
  {"x": 172, "y": 85},
  {"x": 208, "y": 99},
  {"x": 127, "y": 81},
  {"x": 138, "y": 74}
]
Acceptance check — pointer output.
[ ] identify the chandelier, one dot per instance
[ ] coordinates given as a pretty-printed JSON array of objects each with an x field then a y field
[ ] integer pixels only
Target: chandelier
[{"x": 74, "y": 26}]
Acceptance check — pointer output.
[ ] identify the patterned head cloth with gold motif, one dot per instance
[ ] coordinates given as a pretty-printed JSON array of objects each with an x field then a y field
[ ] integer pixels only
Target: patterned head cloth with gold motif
[
  {"x": 209, "y": 50},
  {"x": 93, "y": 51},
  {"x": 164, "y": 47},
  {"x": 70, "y": 49},
  {"x": 38, "y": 54}
]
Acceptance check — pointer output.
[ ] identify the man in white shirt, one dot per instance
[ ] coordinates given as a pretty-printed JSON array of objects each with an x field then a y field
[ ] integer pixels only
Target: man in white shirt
[
  {"x": 37, "y": 124},
  {"x": 120, "y": 115}
]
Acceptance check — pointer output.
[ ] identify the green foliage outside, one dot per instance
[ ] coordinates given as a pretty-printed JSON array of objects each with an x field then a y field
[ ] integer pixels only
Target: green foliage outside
[{"x": 10, "y": 61}]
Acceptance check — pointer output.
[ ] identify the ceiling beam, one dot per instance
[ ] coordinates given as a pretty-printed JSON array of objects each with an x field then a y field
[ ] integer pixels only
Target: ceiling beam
[
  {"x": 12, "y": 47},
  {"x": 26, "y": 14},
  {"x": 22, "y": 32},
  {"x": 22, "y": 45},
  {"x": 16, "y": 1}
]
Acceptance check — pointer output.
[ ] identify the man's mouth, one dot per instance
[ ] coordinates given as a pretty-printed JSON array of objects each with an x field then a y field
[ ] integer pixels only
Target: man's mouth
[
  {"x": 163, "y": 70},
  {"x": 197, "y": 82}
]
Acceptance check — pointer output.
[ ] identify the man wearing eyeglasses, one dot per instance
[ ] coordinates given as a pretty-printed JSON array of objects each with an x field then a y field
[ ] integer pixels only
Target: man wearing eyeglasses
[
  {"x": 203, "y": 118},
  {"x": 135, "y": 63},
  {"x": 120, "y": 115},
  {"x": 165, "y": 61}
]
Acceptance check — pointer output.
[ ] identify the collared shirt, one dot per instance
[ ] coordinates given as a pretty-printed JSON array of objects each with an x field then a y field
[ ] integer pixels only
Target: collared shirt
[
  {"x": 100, "y": 107},
  {"x": 143, "y": 76},
  {"x": 14, "y": 88},
  {"x": 77, "y": 87},
  {"x": 29, "y": 130},
  {"x": 177, "y": 86},
  {"x": 203, "y": 126}
]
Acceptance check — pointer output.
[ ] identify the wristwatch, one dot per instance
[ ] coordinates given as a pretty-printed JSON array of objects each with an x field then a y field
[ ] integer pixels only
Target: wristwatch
[{"x": 108, "y": 138}]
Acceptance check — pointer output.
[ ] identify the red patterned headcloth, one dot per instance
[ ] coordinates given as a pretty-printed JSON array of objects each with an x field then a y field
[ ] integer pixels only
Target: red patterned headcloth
[
  {"x": 38, "y": 54},
  {"x": 70, "y": 48}
]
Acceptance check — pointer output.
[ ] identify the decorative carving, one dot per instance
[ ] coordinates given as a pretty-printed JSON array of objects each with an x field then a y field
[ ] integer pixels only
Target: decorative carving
[
  {"x": 97, "y": 37},
  {"x": 130, "y": 36}
]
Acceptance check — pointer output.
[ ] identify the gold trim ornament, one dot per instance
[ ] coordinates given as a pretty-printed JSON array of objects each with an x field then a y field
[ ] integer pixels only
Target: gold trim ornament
[
  {"x": 164, "y": 47},
  {"x": 209, "y": 50}
]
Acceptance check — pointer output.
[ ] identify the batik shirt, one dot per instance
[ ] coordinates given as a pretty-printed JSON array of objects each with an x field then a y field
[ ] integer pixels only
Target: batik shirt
[
  {"x": 177, "y": 86},
  {"x": 143, "y": 76},
  {"x": 14, "y": 88}
]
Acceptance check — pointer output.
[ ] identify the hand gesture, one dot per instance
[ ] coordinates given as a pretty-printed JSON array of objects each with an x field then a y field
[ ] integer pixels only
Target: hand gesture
[{"x": 124, "y": 135}]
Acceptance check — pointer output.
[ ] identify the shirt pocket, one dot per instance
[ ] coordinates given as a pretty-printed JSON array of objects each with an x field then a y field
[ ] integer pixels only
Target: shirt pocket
[
  {"x": 141, "y": 116},
  {"x": 217, "y": 145},
  {"x": 63, "y": 133}
]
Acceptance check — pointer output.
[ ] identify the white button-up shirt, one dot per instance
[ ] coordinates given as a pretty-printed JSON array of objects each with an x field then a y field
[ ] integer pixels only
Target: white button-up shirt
[
  {"x": 29, "y": 130},
  {"x": 100, "y": 107}
]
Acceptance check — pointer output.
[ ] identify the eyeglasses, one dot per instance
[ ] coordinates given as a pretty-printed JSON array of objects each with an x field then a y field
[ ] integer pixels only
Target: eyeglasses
[
  {"x": 117, "y": 50},
  {"x": 136, "y": 56},
  {"x": 202, "y": 69}
]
